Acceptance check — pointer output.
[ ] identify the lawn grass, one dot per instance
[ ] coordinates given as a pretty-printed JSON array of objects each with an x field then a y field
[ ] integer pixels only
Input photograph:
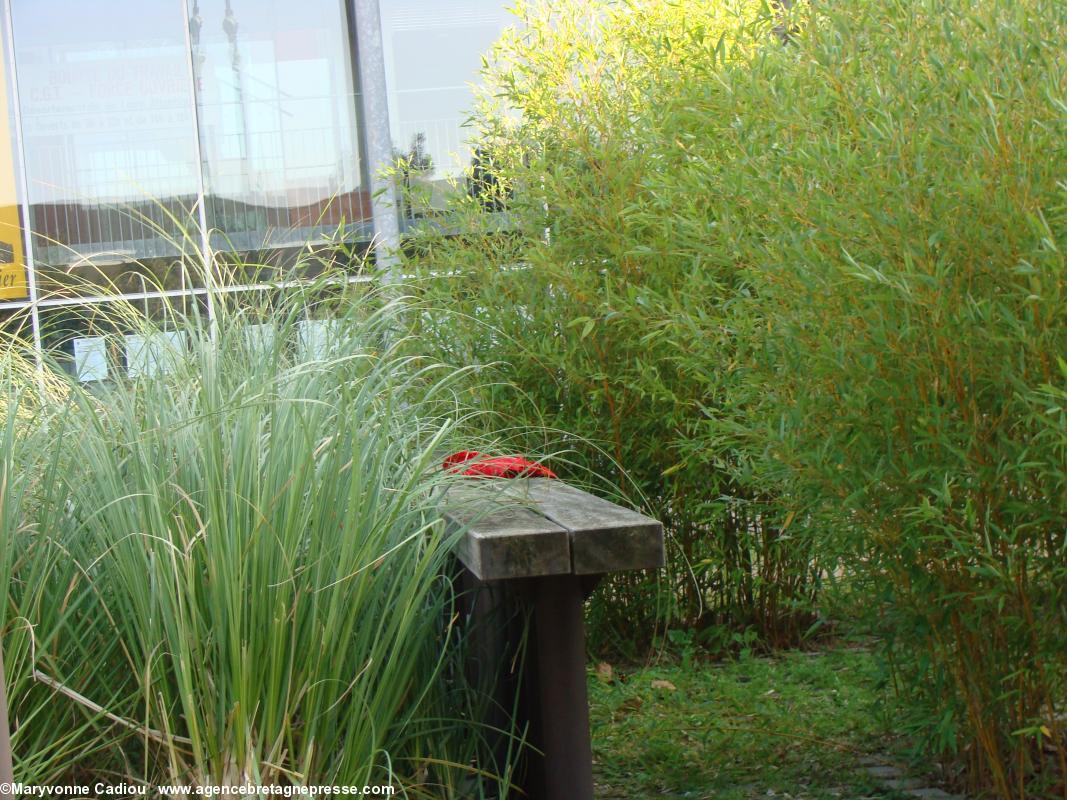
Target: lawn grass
[{"x": 794, "y": 726}]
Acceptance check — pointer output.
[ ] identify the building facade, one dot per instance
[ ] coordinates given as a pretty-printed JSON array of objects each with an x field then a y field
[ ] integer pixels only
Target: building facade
[{"x": 138, "y": 131}]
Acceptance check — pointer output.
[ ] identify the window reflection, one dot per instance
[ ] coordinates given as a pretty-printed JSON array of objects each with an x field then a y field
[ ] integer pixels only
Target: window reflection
[
  {"x": 101, "y": 342},
  {"x": 106, "y": 107},
  {"x": 277, "y": 111},
  {"x": 433, "y": 55}
]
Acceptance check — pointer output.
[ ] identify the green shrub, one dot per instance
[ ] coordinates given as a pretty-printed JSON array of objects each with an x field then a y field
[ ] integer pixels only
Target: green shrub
[
  {"x": 893, "y": 184},
  {"x": 614, "y": 317},
  {"x": 904, "y": 221},
  {"x": 811, "y": 295}
]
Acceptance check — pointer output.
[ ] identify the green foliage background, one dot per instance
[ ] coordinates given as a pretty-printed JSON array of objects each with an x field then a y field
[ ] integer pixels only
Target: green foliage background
[
  {"x": 615, "y": 315},
  {"x": 802, "y": 279}
]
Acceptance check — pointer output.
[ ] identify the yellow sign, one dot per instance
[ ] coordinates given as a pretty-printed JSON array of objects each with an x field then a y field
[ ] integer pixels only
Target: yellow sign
[{"x": 12, "y": 264}]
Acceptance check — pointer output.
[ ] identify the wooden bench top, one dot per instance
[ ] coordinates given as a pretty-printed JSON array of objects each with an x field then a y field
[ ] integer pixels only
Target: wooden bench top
[{"x": 533, "y": 527}]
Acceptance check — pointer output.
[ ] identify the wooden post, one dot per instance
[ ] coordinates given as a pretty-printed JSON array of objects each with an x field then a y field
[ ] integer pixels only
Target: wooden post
[
  {"x": 7, "y": 772},
  {"x": 562, "y": 694},
  {"x": 547, "y": 543}
]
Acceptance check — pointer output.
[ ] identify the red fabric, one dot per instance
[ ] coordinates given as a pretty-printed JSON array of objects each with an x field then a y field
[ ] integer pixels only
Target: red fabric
[{"x": 478, "y": 465}]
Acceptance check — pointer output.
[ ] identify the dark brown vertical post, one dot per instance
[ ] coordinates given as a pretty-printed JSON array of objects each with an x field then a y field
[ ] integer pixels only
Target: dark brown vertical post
[
  {"x": 564, "y": 701},
  {"x": 7, "y": 774},
  {"x": 547, "y": 543}
]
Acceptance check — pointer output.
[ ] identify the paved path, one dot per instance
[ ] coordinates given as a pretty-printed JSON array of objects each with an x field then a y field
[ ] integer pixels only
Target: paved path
[{"x": 894, "y": 777}]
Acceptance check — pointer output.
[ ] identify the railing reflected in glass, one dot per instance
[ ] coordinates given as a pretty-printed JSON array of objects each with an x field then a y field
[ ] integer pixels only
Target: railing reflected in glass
[
  {"x": 142, "y": 120},
  {"x": 129, "y": 110},
  {"x": 433, "y": 57},
  {"x": 107, "y": 117},
  {"x": 278, "y": 129},
  {"x": 99, "y": 343}
]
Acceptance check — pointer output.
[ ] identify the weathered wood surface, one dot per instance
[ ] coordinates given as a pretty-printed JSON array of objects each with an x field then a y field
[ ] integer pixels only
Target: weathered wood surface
[
  {"x": 604, "y": 537},
  {"x": 536, "y": 527},
  {"x": 504, "y": 540}
]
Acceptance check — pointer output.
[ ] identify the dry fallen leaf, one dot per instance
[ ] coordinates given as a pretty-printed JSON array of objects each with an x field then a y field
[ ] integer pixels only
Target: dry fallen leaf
[
  {"x": 664, "y": 685},
  {"x": 604, "y": 672}
]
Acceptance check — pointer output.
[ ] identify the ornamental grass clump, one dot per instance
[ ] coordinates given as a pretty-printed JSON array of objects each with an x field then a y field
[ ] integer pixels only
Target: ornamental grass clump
[
  {"x": 47, "y": 736},
  {"x": 244, "y": 571}
]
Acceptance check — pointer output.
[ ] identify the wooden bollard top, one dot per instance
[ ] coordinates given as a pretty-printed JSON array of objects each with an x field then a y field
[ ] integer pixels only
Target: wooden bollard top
[{"x": 533, "y": 527}]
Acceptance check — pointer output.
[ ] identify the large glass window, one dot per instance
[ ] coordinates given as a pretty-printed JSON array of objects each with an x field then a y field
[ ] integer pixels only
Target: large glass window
[
  {"x": 107, "y": 117},
  {"x": 278, "y": 132},
  {"x": 433, "y": 56},
  {"x": 95, "y": 342},
  {"x": 141, "y": 120}
]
